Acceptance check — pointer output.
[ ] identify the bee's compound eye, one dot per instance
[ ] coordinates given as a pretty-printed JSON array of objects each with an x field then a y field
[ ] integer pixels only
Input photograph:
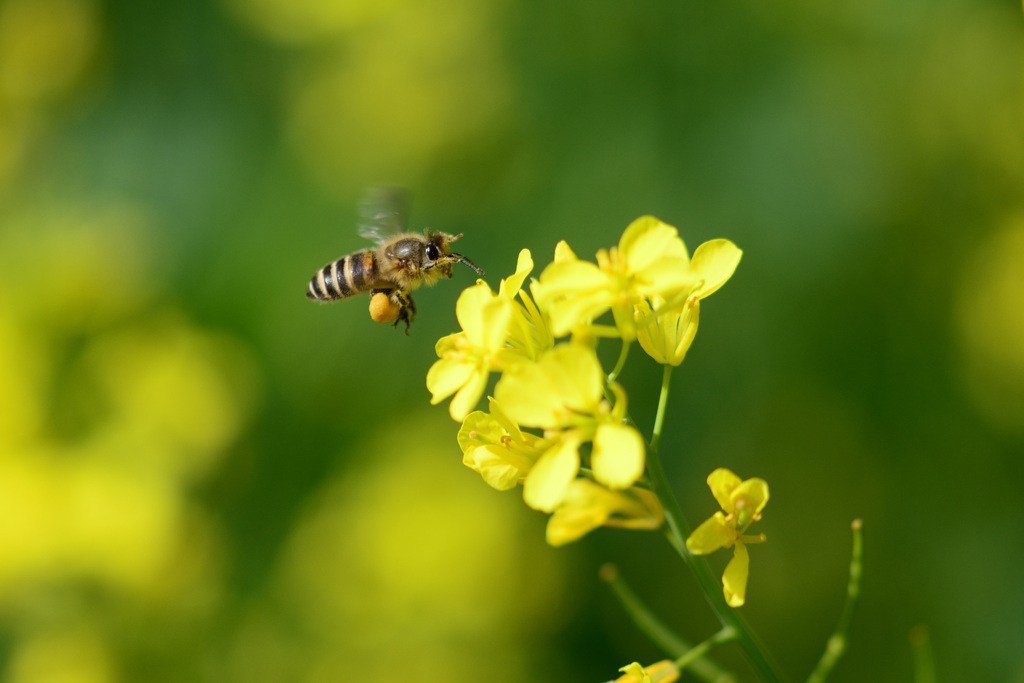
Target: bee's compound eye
[
  {"x": 433, "y": 253},
  {"x": 383, "y": 309}
]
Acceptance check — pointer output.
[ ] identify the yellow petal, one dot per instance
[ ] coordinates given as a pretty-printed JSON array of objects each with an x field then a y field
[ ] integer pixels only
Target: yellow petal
[
  {"x": 753, "y": 492},
  {"x": 577, "y": 374},
  {"x": 569, "y": 313},
  {"x": 469, "y": 308},
  {"x": 484, "y": 317},
  {"x": 447, "y": 344},
  {"x": 468, "y": 396},
  {"x": 512, "y": 284},
  {"x": 618, "y": 455},
  {"x": 734, "y": 579},
  {"x": 711, "y": 535},
  {"x": 686, "y": 328},
  {"x": 564, "y": 253},
  {"x": 496, "y": 465},
  {"x": 633, "y": 673},
  {"x": 547, "y": 482},
  {"x": 587, "y": 505},
  {"x": 566, "y": 278},
  {"x": 722, "y": 483},
  {"x": 749, "y": 500},
  {"x": 497, "y": 315},
  {"x": 554, "y": 391},
  {"x": 584, "y": 507},
  {"x": 446, "y": 376},
  {"x": 714, "y": 262},
  {"x": 667, "y": 337},
  {"x": 503, "y": 420},
  {"x": 665, "y": 277},
  {"x": 647, "y": 240},
  {"x": 479, "y": 429},
  {"x": 664, "y": 671}
]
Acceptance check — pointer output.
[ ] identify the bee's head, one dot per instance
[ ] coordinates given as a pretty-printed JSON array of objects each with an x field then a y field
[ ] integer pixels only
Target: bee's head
[{"x": 439, "y": 254}]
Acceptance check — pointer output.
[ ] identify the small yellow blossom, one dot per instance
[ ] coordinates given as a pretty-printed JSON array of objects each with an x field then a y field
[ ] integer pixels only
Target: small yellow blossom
[
  {"x": 495, "y": 447},
  {"x": 742, "y": 503},
  {"x": 562, "y": 393},
  {"x": 496, "y": 330},
  {"x": 529, "y": 333},
  {"x": 650, "y": 260},
  {"x": 467, "y": 358},
  {"x": 665, "y": 331},
  {"x": 664, "y": 671},
  {"x": 588, "y": 505},
  {"x": 667, "y": 337}
]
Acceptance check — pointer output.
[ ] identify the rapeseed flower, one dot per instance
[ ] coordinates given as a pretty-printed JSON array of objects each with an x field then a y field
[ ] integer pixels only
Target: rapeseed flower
[
  {"x": 664, "y": 671},
  {"x": 587, "y": 505},
  {"x": 665, "y": 331},
  {"x": 650, "y": 260},
  {"x": 562, "y": 393},
  {"x": 494, "y": 446},
  {"x": 742, "y": 503},
  {"x": 467, "y": 358},
  {"x": 496, "y": 330},
  {"x": 529, "y": 333}
]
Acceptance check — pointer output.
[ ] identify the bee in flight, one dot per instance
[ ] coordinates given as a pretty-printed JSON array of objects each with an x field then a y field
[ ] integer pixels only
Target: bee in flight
[{"x": 399, "y": 264}]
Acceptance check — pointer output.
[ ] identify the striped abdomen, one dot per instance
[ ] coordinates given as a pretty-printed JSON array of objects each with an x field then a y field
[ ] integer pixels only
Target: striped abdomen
[{"x": 349, "y": 275}]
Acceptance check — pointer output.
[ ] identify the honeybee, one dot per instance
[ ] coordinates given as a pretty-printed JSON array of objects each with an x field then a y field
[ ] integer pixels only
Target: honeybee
[{"x": 391, "y": 271}]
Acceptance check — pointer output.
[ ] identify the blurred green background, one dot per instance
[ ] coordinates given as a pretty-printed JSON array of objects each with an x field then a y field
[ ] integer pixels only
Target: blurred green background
[{"x": 206, "y": 477}]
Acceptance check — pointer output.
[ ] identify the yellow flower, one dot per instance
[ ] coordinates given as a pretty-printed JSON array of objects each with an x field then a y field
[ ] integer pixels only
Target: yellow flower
[
  {"x": 650, "y": 260},
  {"x": 742, "y": 503},
  {"x": 562, "y": 394},
  {"x": 496, "y": 330},
  {"x": 468, "y": 357},
  {"x": 664, "y": 671},
  {"x": 667, "y": 336},
  {"x": 665, "y": 331},
  {"x": 529, "y": 333},
  {"x": 588, "y": 505},
  {"x": 495, "y": 447}
]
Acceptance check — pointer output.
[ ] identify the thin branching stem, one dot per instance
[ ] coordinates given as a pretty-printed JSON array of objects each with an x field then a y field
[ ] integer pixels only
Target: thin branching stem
[
  {"x": 837, "y": 643},
  {"x": 677, "y": 531},
  {"x": 623, "y": 354},
  {"x": 663, "y": 636},
  {"x": 696, "y": 654}
]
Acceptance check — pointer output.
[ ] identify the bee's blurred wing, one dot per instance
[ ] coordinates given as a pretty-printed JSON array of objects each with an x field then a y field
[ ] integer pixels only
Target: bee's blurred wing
[{"x": 383, "y": 212}]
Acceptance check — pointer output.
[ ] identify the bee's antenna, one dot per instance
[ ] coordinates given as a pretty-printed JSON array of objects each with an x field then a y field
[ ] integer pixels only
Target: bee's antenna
[{"x": 462, "y": 259}]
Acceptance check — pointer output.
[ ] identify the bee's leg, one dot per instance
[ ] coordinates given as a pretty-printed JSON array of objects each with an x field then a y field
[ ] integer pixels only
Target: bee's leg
[{"x": 407, "y": 309}]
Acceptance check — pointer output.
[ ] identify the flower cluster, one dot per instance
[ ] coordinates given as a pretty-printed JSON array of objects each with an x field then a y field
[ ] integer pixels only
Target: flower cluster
[{"x": 557, "y": 423}]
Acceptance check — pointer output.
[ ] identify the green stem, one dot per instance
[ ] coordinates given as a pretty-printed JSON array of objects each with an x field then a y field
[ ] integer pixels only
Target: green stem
[
  {"x": 623, "y": 354},
  {"x": 695, "y": 655},
  {"x": 659, "y": 633},
  {"x": 837, "y": 643},
  {"x": 924, "y": 657},
  {"x": 678, "y": 530}
]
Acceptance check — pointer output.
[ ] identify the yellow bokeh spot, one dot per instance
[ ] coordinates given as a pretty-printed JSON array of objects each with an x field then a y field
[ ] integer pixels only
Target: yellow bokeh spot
[
  {"x": 299, "y": 22},
  {"x": 410, "y": 555},
  {"x": 113, "y": 406},
  {"x": 45, "y": 46},
  {"x": 70, "y": 270},
  {"x": 67, "y": 656},
  {"x": 423, "y": 80},
  {"x": 991, "y": 326},
  {"x": 23, "y": 374},
  {"x": 177, "y": 395}
]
